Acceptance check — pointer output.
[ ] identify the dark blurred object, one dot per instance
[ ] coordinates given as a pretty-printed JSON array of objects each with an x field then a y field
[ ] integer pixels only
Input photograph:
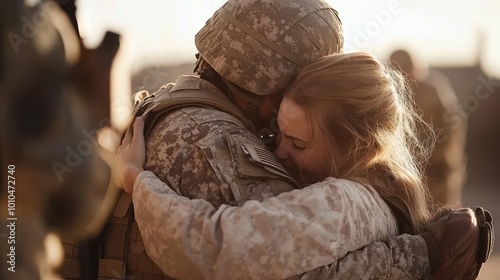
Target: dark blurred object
[
  {"x": 486, "y": 241},
  {"x": 486, "y": 235},
  {"x": 436, "y": 99},
  {"x": 54, "y": 95}
]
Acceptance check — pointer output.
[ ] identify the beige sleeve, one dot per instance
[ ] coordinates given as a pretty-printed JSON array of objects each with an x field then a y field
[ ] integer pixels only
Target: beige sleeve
[
  {"x": 403, "y": 257},
  {"x": 281, "y": 237}
]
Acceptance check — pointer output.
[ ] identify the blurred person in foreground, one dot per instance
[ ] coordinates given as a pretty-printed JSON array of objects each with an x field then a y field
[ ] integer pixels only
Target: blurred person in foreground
[
  {"x": 53, "y": 94},
  {"x": 435, "y": 98}
]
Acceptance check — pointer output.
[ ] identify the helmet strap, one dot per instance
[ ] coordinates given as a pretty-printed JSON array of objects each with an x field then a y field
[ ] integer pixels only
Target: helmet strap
[
  {"x": 200, "y": 65},
  {"x": 229, "y": 89},
  {"x": 252, "y": 99}
]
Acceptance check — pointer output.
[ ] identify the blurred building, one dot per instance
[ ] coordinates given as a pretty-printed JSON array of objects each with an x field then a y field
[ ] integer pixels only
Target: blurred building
[{"x": 479, "y": 97}]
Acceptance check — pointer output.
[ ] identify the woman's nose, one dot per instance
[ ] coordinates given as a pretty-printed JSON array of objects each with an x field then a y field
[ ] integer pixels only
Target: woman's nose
[{"x": 279, "y": 151}]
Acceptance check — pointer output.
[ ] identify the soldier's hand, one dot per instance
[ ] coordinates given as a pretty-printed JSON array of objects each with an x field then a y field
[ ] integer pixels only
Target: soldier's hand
[
  {"x": 452, "y": 243},
  {"x": 486, "y": 241},
  {"x": 131, "y": 156}
]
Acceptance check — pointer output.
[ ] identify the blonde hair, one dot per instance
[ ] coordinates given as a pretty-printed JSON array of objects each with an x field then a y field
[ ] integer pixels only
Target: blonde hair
[{"x": 363, "y": 113}]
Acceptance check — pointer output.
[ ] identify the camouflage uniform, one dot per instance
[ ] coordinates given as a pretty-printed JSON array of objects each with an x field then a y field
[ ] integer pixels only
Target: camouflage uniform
[
  {"x": 315, "y": 226},
  {"x": 192, "y": 150},
  {"x": 200, "y": 147},
  {"x": 257, "y": 45},
  {"x": 197, "y": 151}
]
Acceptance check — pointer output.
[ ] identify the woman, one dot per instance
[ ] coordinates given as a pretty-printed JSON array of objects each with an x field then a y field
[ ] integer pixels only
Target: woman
[
  {"x": 348, "y": 116},
  {"x": 345, "y": 116}
]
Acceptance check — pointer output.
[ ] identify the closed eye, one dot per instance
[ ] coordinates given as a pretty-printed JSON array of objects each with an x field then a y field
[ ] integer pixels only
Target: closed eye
[{"x": 299, "y": 146}]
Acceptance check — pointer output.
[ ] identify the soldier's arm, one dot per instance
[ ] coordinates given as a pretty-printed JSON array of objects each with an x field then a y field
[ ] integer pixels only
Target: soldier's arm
[
  {"x": 401, "y": 257},
  {"x": 278, "y": 238}
]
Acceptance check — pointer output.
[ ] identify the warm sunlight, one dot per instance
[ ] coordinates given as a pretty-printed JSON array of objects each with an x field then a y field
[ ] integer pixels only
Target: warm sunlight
[{"x": 446, "y": 32}]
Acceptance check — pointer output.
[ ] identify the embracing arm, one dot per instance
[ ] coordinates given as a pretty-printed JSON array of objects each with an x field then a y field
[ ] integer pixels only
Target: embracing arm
[
  {"x": 260, "y": 244},
  {"x": 186, "y": 237},
  {"x": 274, "y": 239},
  {"x": 400, "y": 257}
]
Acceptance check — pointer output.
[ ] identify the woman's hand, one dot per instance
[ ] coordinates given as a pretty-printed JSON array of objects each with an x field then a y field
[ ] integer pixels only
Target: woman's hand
[{"x": 131, "y": 156}]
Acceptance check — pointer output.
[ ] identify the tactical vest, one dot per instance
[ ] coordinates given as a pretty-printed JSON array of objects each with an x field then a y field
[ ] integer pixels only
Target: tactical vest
[
  {"x": 123, "y": 255},
  {"x": 152, "y": 106}
]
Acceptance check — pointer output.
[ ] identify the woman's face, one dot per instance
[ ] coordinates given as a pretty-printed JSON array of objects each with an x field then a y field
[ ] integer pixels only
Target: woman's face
[{"x": 294, "y": 147}]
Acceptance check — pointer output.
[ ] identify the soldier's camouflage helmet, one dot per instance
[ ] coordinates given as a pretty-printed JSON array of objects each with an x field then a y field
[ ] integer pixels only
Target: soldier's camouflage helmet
[{"x": 260, "y": 44}]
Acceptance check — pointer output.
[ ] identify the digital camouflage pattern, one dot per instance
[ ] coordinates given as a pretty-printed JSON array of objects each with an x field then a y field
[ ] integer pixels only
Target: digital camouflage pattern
[
  {"x": 198, "y": 150},
  {"x": 307, "y": 29},
  {"x": 406, "y": 262},
  {"x": 193, "y": 240},
  {"x": 189, "y": 149}
]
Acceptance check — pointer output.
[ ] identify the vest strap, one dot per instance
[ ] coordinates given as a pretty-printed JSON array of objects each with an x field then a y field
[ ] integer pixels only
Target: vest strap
[
  {"x": 164, "y": 102},
  {"x": 116, "y": 245}
]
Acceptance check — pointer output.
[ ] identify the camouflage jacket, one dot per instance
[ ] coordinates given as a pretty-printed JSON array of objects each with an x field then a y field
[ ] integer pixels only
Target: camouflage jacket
[
  {"x": 276, "y": 239},
  {"x": 195, "y": 151}
]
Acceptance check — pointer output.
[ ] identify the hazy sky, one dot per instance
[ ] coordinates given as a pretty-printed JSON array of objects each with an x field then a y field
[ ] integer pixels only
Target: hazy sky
[{"x": 445, "y": 32}]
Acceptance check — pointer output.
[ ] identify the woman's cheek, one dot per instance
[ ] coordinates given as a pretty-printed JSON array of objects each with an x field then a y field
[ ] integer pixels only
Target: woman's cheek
[{"x": 312, "y": 167}]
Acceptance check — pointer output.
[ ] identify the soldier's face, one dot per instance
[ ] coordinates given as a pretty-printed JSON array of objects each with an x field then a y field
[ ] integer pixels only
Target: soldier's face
[
  {"x": 265, "y": 113},
  {"x": 294, "y": 149}
]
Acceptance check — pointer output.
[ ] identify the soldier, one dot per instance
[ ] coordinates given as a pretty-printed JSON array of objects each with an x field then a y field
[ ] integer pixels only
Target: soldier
[
  {"x": 249, "y": 52},
  {"x": 230, "y": 240}
]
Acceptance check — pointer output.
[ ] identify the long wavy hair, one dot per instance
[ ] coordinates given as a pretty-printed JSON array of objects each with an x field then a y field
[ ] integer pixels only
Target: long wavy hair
[{"x": 363, "y": 114}]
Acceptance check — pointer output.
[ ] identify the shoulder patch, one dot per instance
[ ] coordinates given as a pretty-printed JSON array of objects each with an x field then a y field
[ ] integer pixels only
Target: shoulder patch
[{"x": 255, "y": 161}]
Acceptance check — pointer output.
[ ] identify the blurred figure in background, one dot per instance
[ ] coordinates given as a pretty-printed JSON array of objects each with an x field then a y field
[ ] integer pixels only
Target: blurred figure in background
[{"x": 446, "y": 172}]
